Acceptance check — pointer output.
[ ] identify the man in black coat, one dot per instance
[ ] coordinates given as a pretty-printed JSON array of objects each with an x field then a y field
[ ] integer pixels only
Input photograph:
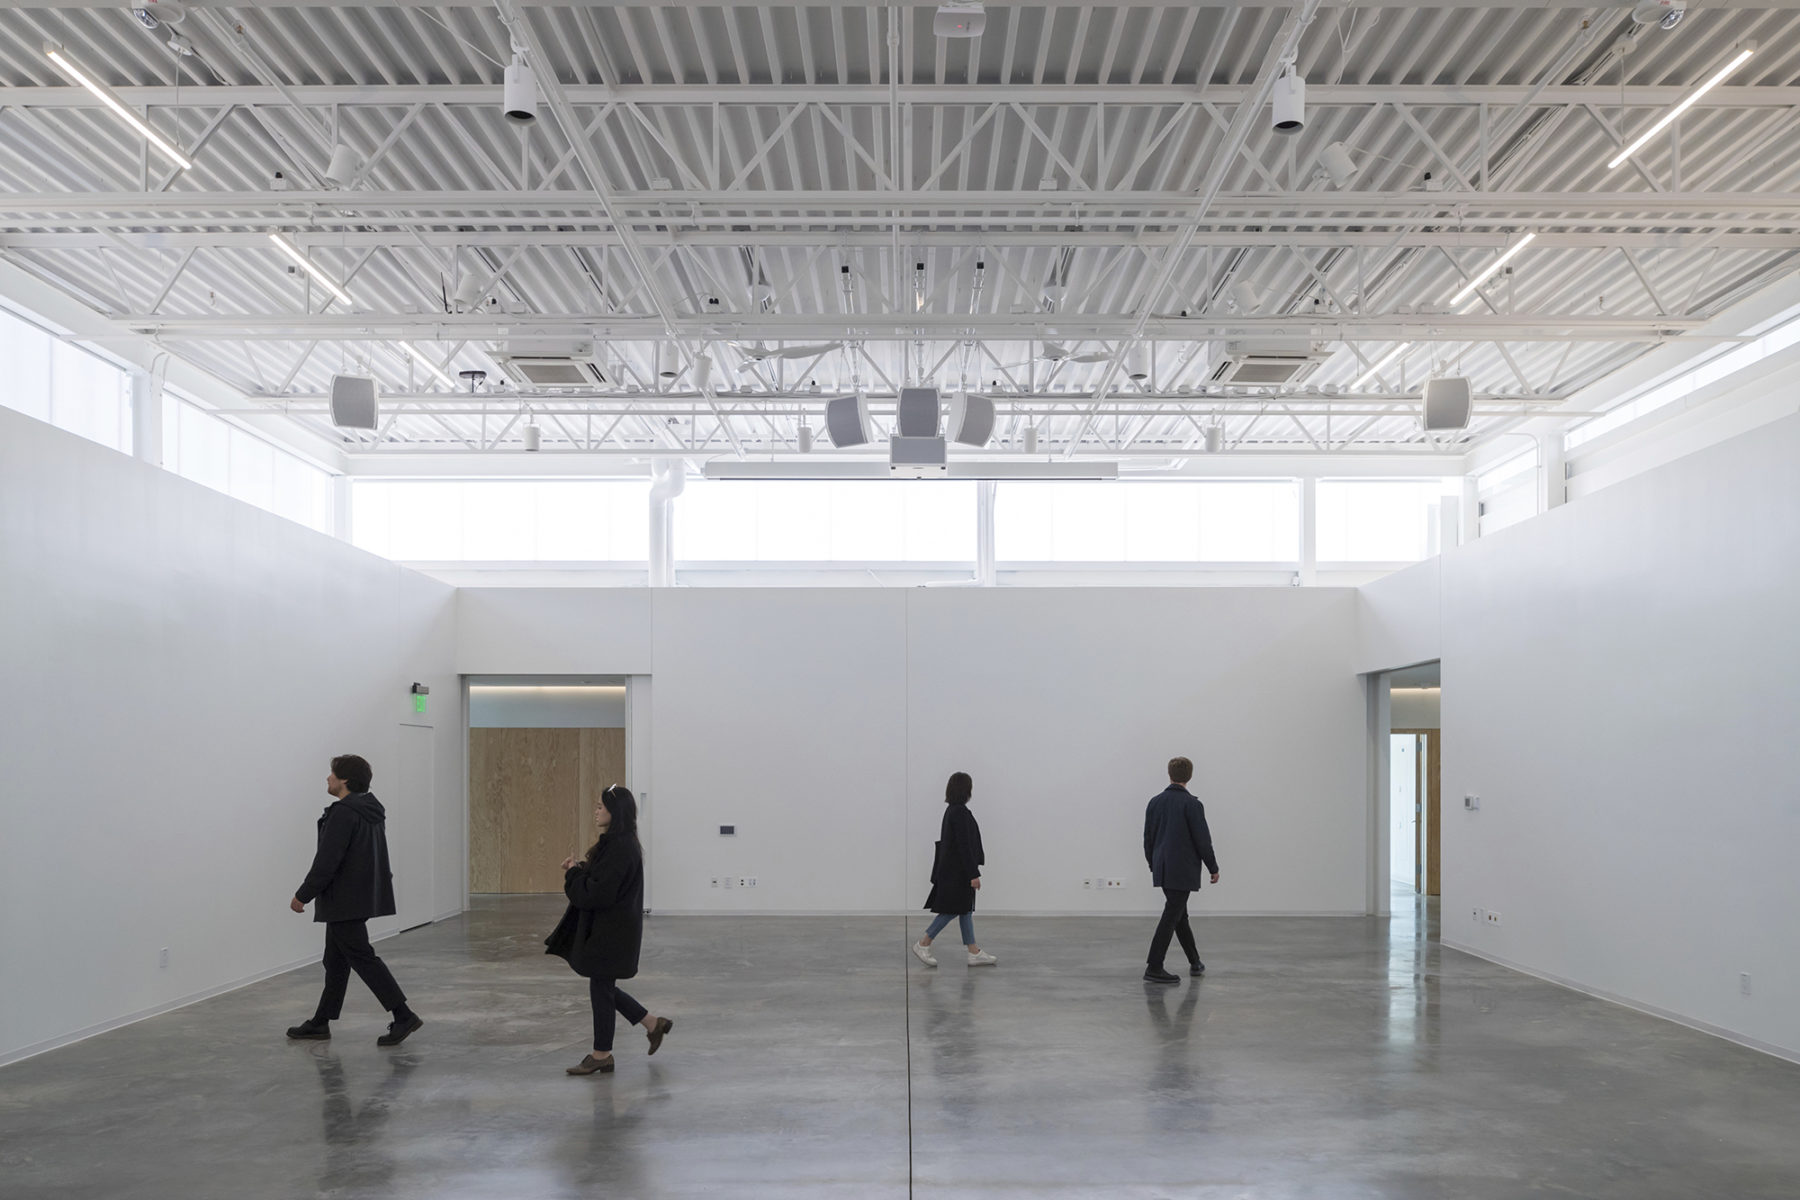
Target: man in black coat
[
  {"x": 1176, "y": 843},
  {"x": 351, "y": 882}
]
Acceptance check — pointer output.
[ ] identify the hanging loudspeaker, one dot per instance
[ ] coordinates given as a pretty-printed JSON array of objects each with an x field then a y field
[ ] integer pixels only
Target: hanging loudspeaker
[
  {"x": 847, "y": 421},
  {"x": 1449, "y": 403},
  {"x": 918, "y": 412},
  {"x": 353, "y": 402},
  {"x": 971, "y": 419}
]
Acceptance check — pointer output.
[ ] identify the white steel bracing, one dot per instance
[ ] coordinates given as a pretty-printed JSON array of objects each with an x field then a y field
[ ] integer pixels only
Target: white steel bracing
[{"x": 1010, "y": 214}]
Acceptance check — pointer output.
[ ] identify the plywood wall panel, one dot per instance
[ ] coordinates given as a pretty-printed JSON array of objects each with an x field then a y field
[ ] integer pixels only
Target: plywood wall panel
[
  {"x": 524, "y": 798},
  {"x": 602, "y": 754}
]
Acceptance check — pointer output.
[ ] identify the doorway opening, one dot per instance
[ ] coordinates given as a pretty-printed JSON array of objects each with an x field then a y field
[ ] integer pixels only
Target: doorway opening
[
  {"x": 541, "y": 750},
  {"x": 1415, "y": 775}
]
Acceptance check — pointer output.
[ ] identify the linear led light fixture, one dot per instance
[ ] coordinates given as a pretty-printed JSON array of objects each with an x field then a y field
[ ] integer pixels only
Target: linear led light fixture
[
  {"x": 117, "y": 106},
  {"x": 1381, "y": 362},
  {"x": 816, "y": 470},
  {"x": 424, "y": 360},
  {"x": 306, "y": 264},
  {"x": 1481, "y": 276},
  {"x": 1737, "y": 60}
]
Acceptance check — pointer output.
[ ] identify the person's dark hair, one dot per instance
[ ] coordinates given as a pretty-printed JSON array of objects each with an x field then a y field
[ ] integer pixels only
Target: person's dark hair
[
  {"x": 1180, "y": 770},
  {"x": 623, "y": 806},
  {"x": 959, "y": 789},
  {"x": 354, "y": 770}
]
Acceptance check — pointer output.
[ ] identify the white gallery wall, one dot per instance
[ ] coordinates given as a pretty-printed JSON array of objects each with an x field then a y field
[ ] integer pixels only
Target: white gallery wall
[
  {"x": 179, "y": 668},
  {"x": 822, "y": 724},
  {"x": 1621, "y": 688}
]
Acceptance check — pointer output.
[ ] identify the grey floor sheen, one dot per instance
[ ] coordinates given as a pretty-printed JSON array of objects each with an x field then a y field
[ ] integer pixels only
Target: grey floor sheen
[{"x": 813, "y": 1057}]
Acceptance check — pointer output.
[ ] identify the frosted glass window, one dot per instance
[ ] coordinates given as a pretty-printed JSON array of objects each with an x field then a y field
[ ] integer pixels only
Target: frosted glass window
[
  {"x": 574, "y": 522},
  {"x": 1253, "y": 521},
  {"x": 1250, "y": 521},
  {"x": 826, "y": 521},
  {"x": 302, "y": 493},
  {"x": 88, "y": 397},
  {"x": 252, "y": 470},
  {"x": 205, "y": 449},
  {"x": 940, "y": 521},
  {"x": 501, "y": 520},
  {"x": 1376, "y": 520},
  {"x": 25, "y": 349},
  {"x": 793, "y": 521},
  {"x": 1162, "y": 522}
]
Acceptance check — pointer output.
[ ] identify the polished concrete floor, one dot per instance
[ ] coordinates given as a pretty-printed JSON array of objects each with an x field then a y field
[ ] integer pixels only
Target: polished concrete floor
[{"x": 813, "y": 1057}]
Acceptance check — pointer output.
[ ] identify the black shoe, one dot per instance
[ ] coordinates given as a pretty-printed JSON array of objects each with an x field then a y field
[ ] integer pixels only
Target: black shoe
[
  {"x": 400, "y": 1029},
  {"x": 1158, "y": 975},
  {"x": 313, "y": 1030},
  {"x": 1196, "y": 968}
]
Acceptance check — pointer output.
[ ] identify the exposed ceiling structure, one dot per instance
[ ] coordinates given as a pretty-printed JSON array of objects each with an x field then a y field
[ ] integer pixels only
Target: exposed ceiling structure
[{"x": 1083, "y": 213}]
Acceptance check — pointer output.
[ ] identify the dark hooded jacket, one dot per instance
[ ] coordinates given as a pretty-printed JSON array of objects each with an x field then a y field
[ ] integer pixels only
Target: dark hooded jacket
[
  {"x": 602, "y": 930},
  {"x": 350, "y": 876},
  {"x": 958, "y": 862}
]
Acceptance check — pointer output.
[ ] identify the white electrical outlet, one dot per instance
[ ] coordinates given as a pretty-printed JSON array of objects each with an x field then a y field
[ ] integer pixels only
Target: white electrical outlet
[
  {"x": 1472, "y": 802},
  {"x": 1744, "y": 982},
  {"x": 1475, "y": 914},
  {"x": 746, "y": 881},
  {"x": 162, "y": 960},
  {"x": 753, "y": 881},
  {"x": 1493, "y": 917},
  {"x": 1114, "y": 884}
]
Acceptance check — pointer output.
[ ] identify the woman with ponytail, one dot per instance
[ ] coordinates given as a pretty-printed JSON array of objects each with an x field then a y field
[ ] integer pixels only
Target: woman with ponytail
[{"x": 602, "y": 930}]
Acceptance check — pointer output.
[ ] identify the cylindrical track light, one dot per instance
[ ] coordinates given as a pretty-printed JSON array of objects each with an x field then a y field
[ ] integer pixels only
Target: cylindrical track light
[
  {"x": 533, "y": 437},
  {"x": 805, "y": 439},
  {"x": 1215, "y": 439},
  {"x": 1031, "y": 439},
  {"x": 520, "y": 92},
  {"x": 1289, "y": 103},
  {"x": 668, "y": 362},
  {"x": 1137, "y": 362}
]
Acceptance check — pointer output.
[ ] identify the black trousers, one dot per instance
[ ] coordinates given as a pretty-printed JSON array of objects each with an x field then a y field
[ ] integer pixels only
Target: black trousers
[
  {"x": 607, "y": 999},
  {"x": 347, "y": 949},
  {"x": 1174, "y": 923}
]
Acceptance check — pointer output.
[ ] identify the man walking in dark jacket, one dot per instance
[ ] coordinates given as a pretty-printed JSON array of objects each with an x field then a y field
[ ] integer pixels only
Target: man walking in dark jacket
[
  {"x": 351, "y": 882},
  {"x": 1176, "y": 842}
]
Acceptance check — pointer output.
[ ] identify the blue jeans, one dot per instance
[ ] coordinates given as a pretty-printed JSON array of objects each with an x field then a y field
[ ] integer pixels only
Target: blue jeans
[{"x": 942, "y": 919}]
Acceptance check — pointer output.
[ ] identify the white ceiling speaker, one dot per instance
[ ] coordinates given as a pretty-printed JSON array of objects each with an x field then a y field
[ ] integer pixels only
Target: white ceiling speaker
[
  {"x": 971, "y": 420},
  {"x": 520, "y": 96},
  {"x": 668, "y": 361},
  {"x": 1031, "y": 439},
  {"x": 917, "y": 457},
  {"x": 1137, "y": 362},
  {"x": 353, "y": 402},
  {"x": 847, "y": 421},
  {"x": 1245, "y": 296},
  {"x": 1337, "y": 163},
  {"x": 918, "y": 412},
  {"x": 468, "y": 293},
  {"x": 534, "y": 437},
  {"x": 1288, "y": 114},
  {"x": 1215, "y": 438},
  {"x": 344, "y": 165},
  {"x": 1449, "y": 403},
  {"x": 964, "y": 19},
  {"x": 702, "y": 371}
]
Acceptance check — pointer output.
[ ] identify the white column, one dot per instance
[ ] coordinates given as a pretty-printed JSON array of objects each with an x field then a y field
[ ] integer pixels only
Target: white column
[
  {"x": 1554, "y": 488},
  {"x": 146, "y": 418},
  {"x": 1471, "y": 510},
  {"x": 667, "y": 479},
  {"x": 1309, "y": 531},
  {"x": 986, "y": 574}
]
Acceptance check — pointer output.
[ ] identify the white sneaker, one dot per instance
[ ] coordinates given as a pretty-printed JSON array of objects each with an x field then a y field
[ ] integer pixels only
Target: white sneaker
[
  {"x": 981, "y": 958},
  {"x": 924, "y": 954}
]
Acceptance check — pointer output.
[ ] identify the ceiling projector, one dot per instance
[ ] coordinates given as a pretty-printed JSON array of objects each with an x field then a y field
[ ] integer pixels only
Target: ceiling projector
[{"x": 959, "y": 20}]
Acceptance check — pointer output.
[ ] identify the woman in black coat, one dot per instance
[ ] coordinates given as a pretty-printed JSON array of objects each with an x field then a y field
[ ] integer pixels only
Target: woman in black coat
[
  {"x": 955, "y": 874},
  {"x": 602, "y": 930}
]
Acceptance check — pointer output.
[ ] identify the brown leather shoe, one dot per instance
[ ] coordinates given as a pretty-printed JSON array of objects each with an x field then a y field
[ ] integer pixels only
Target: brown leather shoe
[
  {"x": 591, "y": 1066},
  {"x": 663, "y": 1025}
]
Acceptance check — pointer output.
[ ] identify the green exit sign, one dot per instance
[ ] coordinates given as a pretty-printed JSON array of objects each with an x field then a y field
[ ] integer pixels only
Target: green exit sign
[{"x": 419, "y": 703}]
